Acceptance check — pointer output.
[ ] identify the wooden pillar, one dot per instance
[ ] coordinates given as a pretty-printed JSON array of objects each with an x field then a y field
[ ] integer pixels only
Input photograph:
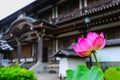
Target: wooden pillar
[
  {"x": 18, "y": 51},
  {"x": 80, "y": 4},
  {"x": 56, "y": 45},
  {"x": 85, "y": 3},
  {"x": 40, "y": 45},
  {"x": 40, "y": 49}
]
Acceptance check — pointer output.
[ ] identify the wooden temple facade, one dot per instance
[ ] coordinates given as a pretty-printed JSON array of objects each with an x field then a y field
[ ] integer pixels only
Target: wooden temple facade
[{"x": 46, "y": 26}]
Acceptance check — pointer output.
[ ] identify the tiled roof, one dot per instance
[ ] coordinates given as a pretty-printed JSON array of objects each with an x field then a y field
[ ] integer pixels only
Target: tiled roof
[
  {"x": 67, "y": 52},
  {"x": 113, "y": 42},
  {"x": 4, "y": 46}
]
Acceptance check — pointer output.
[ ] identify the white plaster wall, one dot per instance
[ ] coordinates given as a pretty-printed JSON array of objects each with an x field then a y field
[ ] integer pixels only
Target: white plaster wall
[
  {"x": 63, "y": 66},
  {"x": 73, "y": 62},
  {"x": 69, "y": 63},
  {"x": 108, "y": 54}
]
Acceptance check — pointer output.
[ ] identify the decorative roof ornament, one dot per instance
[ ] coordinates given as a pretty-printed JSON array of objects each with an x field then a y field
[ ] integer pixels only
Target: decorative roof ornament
[
  {"x": 21, "y": 15},
  {"x": 87, "y": 20}
]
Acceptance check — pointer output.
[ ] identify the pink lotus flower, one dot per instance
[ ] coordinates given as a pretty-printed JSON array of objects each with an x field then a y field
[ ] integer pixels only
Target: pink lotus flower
[{"x": 86, "y": 46}]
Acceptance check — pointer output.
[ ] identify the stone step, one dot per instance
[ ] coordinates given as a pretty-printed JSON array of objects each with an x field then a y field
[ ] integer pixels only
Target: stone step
[
  {"x": 52, "y": 68},
  {"x": 27, "y": 65}
]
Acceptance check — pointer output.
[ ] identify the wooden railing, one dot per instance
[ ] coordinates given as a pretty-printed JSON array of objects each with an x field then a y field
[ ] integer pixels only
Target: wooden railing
[
  {"x": 24, "y": 59},
  {"x": 77, "y": 12}
]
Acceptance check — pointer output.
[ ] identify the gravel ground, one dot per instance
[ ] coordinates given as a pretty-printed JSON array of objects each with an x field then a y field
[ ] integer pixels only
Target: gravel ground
[{"x": 47, "y": 76}]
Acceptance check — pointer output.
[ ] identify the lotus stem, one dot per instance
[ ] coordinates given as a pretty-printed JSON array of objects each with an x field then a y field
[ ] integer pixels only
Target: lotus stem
[{"x": 94, "y": 53}]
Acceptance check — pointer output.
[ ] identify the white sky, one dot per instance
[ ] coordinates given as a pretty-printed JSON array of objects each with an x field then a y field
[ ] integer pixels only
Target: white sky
[{"x": 8, "y": 7}]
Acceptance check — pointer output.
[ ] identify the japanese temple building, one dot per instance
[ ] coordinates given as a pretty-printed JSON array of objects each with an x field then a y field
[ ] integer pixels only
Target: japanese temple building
[{"x": 42, "y": 28}]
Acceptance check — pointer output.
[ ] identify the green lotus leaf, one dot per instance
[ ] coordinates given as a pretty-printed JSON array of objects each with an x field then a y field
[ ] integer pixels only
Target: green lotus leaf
[
  {"x": 112, "y": 73},
  {"x": 83, "y": 73}
]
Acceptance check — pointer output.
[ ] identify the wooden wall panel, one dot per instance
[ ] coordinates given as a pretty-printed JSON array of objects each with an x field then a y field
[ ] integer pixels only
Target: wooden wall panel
[
  {"x": 26, "y": 51},
  {"x": 12, "y": 55}
]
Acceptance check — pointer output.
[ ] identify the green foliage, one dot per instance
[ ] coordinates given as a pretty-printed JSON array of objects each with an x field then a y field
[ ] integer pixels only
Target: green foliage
[
  {"x": 77, "y": 73},
  {"x": 112, "y": 73},
  {"x": 16, "y": 73},
  {"x": 83, "y": 73}
]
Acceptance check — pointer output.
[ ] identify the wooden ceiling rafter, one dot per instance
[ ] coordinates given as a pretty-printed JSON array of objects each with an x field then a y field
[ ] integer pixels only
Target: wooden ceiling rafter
[
  {"x": 102, "y": 8},
  {"x": 29, "y": 38},
  {"x": 28, "y": 33}
]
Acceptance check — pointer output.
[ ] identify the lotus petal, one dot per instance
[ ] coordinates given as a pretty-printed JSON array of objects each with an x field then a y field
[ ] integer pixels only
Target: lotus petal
[
  {"x": 84, "y": 54},
  {"x": 85, "y": 44},
  {"x": 99, "y": 43},
  {"x": 92, "y": 36}
]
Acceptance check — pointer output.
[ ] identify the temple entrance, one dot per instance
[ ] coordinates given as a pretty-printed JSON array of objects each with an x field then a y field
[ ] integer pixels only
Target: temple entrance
[{"x": 45, "y": 54}]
